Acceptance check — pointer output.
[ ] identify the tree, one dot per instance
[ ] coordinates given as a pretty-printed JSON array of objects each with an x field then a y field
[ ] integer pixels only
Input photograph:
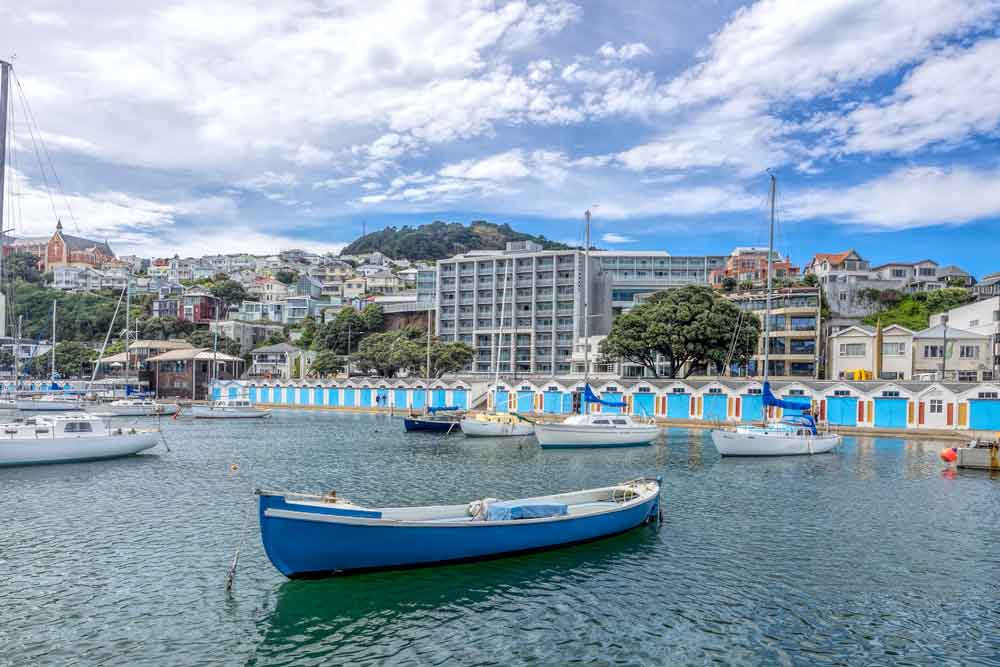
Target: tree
[
  {"x": 746, "y": 285},
  {"x": 165, "y": 328},
  {"x": 326, "y": 364},
  {"x": 346, "y": 329},
  {"x": 373, "y": 318},
  {"x": 308, "y": 330},
  {"x": 448, "y": 357},
  {"x": 810, "y": 280},
  {"x": 72, "y": 359},
  {"x": 228, "y": 291},
  {"x": 689, "y": 327},
  {"x": 23, "y": 266},
  {"x": 729, "y": 284},
  {"x": 206, "y": 339},
  {"x": 287, "y": 276},
  {"x": 388, "y": 353}
]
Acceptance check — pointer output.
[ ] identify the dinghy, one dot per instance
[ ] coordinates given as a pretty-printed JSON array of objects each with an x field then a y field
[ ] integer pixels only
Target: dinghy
[
  {"x": 307, "y": 535},
  {"x": 136, "y": 407},
  {"x": 229, "y": 408}
]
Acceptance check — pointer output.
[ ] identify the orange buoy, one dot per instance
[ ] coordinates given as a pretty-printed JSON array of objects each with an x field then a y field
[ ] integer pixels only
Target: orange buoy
[{"x": 949, "y": 454}]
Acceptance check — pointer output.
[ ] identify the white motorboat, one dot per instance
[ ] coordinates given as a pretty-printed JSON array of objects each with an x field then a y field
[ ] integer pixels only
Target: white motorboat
[
  {"x": 136, "y": 407},
  {"x": 496, "y": 426},
  {"x": 786, "y": 438},
  {"x": 229, "y": 408},
  {"x": 596, "y": 430},
  {"x": 69, "y": 438},
  {"x": 792, "y": 436},
  {"x": 48, "y": 403}
]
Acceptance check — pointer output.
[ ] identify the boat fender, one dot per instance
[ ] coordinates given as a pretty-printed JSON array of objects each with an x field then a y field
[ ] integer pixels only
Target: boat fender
[
  {"x": 477, "y": 509},
  {"x": 949, "y": 454}
]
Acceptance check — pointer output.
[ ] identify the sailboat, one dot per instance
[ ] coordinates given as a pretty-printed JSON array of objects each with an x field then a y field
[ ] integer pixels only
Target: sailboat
[
  {"x": 49, "y": 402},
  {"x": 790, "y": 436},
  {"x": 440, "y": 419},
  {"x": 494, "y": 424},
  {"x": 594, "y": 429}
]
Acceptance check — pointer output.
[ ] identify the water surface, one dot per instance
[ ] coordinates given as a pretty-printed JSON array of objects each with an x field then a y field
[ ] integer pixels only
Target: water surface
[{"x": 873, "y": 555}]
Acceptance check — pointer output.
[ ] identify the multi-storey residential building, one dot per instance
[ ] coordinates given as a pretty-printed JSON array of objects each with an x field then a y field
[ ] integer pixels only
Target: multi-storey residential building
[
  {"x": 526, "y": 301},
  {"x": 751, "y": 265},
  {"x": 426, "y": 284},
  {"x": 382, "y": 282},
  {"x": 633, "y": 274},
  {"x": 853, "y": 350},
  {"x": 198, "y": 305},
  {"x": 259, "y": 311},
  {"x": 982, "y": 318},
  {"x": 269, "y": 290},
  {"x": 795, "y": 336},
  {"x": 919, "y": 276},
  {"x": 988, "y": 287},
  {"x": 943, "y": 352},
  {"x": 248, "y": 334},
  {"x": 76, "y": 278},
  {"x": 308, "y": 286},
  {"x": 954, "y": 276},
  {"x": 354, "y": 288}
]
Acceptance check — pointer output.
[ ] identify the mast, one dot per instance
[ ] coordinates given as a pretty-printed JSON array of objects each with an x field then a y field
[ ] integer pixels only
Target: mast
[
  {"x": 586, "y": 304},
  {"x": 427, "y": 389},
  {"x": 17, "y": 353},
  {"x": 767, "y": 303},
  {"x": 53, "y": 376},
  {"x": 128, "y": 304},
  {"x": 499, "y": 345},
  {"x": 4, "y": 90}
]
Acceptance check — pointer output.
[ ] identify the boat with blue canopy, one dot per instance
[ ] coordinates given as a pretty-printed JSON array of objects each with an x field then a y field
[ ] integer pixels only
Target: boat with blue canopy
[
  {"x": 307, "y": 535},
  {"x": 790, "y": 436}
]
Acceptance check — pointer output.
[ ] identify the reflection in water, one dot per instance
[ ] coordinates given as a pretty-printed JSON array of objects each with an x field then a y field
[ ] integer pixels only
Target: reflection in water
[{"x": 389, "y": 610}]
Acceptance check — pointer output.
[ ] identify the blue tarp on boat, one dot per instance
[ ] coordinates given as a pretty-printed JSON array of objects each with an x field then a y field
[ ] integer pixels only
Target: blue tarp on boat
[
  {"x": 590, "y": 397},
  {"x": 768, "y": 398},
  {"x": 520, "y": 509}
]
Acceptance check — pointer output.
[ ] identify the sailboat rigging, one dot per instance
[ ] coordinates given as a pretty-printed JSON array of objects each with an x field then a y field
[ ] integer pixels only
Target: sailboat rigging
[{"x": 793, "y": 434}]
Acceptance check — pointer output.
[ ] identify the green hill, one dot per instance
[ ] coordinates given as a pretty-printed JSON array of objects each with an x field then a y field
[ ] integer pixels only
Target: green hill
[{"x": 440, "y": 240}]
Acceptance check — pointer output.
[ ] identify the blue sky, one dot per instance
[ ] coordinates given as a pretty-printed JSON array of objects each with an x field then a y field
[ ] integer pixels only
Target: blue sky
[{"x": 198, "y": 127}]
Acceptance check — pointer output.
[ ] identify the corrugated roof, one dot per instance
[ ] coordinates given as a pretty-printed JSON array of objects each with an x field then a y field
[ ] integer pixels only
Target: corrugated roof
[
  {"x": 153, "y": 344},
  {"x": 939, "y": 332},
  {"x": 196, "y": 353},
  {"x": 278, "y": 347}
]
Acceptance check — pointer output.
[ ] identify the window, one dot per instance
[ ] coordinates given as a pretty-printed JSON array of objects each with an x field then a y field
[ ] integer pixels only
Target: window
[
  {"x": 852, "y": 349},
  {"x": 933, "y": 351},
  {"x": 899, "y": 273},
  {"x": 620, "y": 422},
  {"x": 936, "y": 406},
  {"x": 893, "y": 349},
  {"x": 967, "y": 376},
  {"x": 602, "y": 421},
  {"x": 803, "y": 323},
  {"x": 890, "y": 394},
  {"x": 78, "y": 427},
  {"x": 988, "y": 394},
  {"x": 968, "y": 351},
  {"x": 842, "y": 392},
  {"x": 679, "y": 390},
  {"x": 807, "y": 346},
  {"x": 715, "y": 390},
  {"x": 973, "y": 323}
]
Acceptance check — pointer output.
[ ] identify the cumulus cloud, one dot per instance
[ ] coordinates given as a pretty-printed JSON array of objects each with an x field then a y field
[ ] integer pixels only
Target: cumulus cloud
[
  {"x": 611, "y": 237},
  {"x": 905, "y": 198},
  {"x": 624, "y": 52}
]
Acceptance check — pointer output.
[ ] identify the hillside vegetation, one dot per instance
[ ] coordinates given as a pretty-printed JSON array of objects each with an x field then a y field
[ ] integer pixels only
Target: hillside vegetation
[
  {"x": 440, "y": 240},
  {"x": 913, "y": 311}
]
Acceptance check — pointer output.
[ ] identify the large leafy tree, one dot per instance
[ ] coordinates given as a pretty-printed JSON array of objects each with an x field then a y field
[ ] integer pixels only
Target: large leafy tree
[
  {"x": 205, "y": 338},
  {"x": 346, "y": 328},
  {"x": 164, "y": 328},
  {"x": 386, "y": 354},
  {"x": 228, "y": 291},
  {"x": 72, "y": 360},
  {"x": 689, "y": 327},
  {"x": 448, "y": 357},
  {"x": 373, "y": 317},
  {"x": 326, "y": 364},
  {"x": 23, "y": 266}
]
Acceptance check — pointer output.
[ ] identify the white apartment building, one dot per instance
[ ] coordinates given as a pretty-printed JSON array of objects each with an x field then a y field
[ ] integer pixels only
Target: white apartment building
[
  {"x": 638, "y": 273},
  {"x": 854, "y": 349},
  {"x": 983, "y": 318},
  {"x": 919, "y": 276},
  {"x": 523, "y": 301},
  {"x": 269, "y": 290}
]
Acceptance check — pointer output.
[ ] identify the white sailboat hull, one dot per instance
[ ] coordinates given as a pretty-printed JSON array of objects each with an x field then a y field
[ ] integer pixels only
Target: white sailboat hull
[
  {"x": 57, "y": 405},
  {"x": 558, "y": 436},
  {"x": 30, "y": 451},
  {"x": 215, "y": 412},
  {"x": 475, "y": 428},
  {"x": 161, "y": 409},
  {"x": 744, "y": 443}
]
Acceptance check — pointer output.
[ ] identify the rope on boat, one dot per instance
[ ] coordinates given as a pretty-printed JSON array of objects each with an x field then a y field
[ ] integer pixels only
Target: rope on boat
[
  {"x": 163, "y": 437},
  {"x": 236, "y": 556}
]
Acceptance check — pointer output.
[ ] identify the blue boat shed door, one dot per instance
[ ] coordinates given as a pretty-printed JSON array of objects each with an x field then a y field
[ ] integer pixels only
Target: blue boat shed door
[
  {"x": 842, "y": 411},
  {"x": 611, "y": 396},
  {"x": 714, "y": 407},
  {"x": 525, "y": 401},
  {"x": 678, "y": 406},
  {"x": 460, "y": 398},
  {"x": 753, "y": 408},
  {"x": 890, "y": 412},
  {"x": 381, "y": 398},
  {"x": 419, "y": 399},
  {"x": 643, "y": 404},
  {"x": 501, "y": 401},
  {"x": 438, "y": 398},
  {"x": 399, "y": 398},
  {"x": 984, "y": 414}
]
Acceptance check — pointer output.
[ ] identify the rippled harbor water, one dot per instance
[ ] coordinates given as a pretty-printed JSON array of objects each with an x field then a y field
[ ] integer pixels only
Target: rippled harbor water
[{"x": 873, "y": 555}]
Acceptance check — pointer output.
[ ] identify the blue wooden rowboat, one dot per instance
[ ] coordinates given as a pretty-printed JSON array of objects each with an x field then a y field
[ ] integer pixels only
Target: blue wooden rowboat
[{"x": 318, "y": 536}]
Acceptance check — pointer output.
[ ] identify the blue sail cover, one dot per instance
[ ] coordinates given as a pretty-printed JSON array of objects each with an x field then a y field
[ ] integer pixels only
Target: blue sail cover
[
  {"x": 771, "y": 399},
  {"x": 445, "y": 408},
  {"x": 590, "y": 397}
]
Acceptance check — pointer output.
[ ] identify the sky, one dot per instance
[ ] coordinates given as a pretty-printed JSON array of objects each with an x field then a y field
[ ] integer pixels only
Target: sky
[{"x": 217, "y": 126}]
